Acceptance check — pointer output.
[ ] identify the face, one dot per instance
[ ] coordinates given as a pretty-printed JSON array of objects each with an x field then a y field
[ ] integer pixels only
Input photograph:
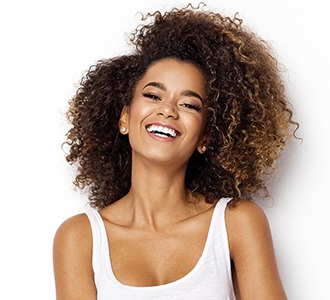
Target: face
[{"x": 165, "y": 121}]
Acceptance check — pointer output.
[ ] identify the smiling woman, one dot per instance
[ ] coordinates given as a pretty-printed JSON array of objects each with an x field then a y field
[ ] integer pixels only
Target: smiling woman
[
  {"x": 172, "y": 143},
  {"x": 166, "y": 107}
]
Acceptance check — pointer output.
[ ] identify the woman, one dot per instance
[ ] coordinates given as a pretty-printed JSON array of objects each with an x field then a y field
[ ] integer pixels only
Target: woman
[{"x": 170, "y": 141}]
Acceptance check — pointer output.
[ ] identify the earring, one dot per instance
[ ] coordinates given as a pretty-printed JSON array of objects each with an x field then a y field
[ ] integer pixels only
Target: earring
[
  {"x": 204, "y": 148},
  {"x": 123, "y": 129}
]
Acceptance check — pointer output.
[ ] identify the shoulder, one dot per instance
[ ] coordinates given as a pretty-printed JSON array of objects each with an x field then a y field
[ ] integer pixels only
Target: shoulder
[
  {"x": 247, "y": 224},
  {"x": 245, "y": 211},
  {"x": 74, "y": 228},
  {"x": 73, "y": 238},
  {"x": 72, "y": 258},
  {"x": 252, "y": 252}
]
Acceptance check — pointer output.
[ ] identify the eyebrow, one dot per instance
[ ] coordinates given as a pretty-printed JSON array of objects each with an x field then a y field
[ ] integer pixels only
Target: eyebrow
[
  {"x": 156, "y": 84},
  {"x": 161, "y": 86},
  {"x": 190, "y": 93}
]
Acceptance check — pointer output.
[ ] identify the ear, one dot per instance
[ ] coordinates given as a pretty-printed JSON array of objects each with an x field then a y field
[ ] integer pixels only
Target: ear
[
  {"x": 202, "y": 145},
  {"x": 123, "y": 120}
]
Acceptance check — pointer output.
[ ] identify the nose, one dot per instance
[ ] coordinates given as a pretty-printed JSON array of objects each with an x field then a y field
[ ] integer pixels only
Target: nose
[{"x": 167, "y": 110}]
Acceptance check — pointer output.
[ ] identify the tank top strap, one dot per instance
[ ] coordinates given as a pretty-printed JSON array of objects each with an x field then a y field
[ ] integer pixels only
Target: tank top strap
[
  {"x": 219, "y": 234},
  {"x": 219, "y": 221},
  {"x": 100, "y": 240}
]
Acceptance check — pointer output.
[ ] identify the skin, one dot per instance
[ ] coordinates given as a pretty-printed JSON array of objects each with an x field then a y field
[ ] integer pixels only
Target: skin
[{"x": 151, "y": 228}]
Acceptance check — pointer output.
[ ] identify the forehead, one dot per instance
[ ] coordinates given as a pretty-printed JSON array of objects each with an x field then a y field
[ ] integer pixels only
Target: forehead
[{"x": 175, "y": 73}]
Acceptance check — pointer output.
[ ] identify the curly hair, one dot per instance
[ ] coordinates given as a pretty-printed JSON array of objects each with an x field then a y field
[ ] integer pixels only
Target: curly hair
[{"x": 249, "y": 117}]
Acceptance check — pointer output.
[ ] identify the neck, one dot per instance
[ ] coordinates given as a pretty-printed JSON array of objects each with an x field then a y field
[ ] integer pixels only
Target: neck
[{"x": 158, "y": 194}]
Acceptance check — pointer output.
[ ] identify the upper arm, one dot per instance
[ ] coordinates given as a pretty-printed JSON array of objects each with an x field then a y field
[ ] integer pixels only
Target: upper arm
[
  {"x": 72, "y": 258},
  {"x": 252, "y": 252}
]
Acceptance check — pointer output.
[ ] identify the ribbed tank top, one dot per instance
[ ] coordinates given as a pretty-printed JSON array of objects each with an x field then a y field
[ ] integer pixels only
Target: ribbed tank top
[{"x": 209, "y": 279}]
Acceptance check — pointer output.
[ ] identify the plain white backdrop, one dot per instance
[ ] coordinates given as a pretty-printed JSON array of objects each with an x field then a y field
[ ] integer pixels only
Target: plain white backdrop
[{"x": 45, "y": 48}]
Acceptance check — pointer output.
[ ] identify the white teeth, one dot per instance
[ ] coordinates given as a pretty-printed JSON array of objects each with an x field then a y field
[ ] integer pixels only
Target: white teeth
[{"x": 160, "y": 130}]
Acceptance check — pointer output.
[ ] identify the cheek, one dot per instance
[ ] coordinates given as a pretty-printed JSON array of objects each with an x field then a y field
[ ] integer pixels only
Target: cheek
[
  {"x": 196, "y": 125},
  {"x": 137, "y": 114}
]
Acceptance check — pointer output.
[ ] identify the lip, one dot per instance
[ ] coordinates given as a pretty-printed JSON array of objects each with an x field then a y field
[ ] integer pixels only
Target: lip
[{"x": 170, "y": 126}]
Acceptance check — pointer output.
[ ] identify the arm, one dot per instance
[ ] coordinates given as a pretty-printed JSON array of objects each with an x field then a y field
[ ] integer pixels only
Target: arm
[
  {"x": 72, "y": 254},
  {"x": 252, "y": 252}
]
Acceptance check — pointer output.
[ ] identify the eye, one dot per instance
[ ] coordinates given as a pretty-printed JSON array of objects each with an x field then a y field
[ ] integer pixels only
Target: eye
[
  {"x": 151, "y": 96},
  {"x": 191, "y": 106}
]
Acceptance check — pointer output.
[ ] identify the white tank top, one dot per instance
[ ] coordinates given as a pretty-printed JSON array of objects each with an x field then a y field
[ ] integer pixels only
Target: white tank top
[{"x": 209, "y": 279}]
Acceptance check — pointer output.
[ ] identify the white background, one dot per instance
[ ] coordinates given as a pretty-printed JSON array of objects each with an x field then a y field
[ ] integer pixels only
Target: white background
[{"x": 45, "y": 48}]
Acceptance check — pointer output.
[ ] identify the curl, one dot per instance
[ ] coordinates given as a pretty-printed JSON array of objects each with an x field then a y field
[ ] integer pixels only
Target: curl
[{"x": 249, "y": 117}]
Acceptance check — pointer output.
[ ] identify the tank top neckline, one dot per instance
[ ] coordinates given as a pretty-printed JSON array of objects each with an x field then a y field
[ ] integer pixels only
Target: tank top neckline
[{"x": 106, "y": 250}]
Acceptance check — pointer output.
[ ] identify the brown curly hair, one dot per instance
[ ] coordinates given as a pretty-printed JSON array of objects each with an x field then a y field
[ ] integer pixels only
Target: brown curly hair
[{"x": 249, "y": 117}]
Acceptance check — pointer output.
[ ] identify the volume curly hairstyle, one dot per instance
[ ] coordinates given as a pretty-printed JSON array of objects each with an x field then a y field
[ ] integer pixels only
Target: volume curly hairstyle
[{"x": 249, "y": 119}]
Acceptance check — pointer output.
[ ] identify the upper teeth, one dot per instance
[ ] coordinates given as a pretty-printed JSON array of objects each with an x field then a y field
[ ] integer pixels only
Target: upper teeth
[{"x": 162, "y": 130}]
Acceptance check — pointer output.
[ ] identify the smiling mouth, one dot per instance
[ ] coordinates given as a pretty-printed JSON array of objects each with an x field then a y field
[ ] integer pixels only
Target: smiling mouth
[{"x": 162, "y": 131}]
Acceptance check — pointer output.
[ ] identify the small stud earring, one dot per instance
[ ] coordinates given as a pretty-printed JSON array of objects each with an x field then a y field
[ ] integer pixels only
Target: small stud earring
[
  {"x": 204, "y": 148},
  {"x": 123, "y": 129}
]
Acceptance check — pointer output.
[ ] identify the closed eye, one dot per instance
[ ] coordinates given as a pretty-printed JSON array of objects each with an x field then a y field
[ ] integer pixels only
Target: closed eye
[
  {"x": 151, "y": 96},
  {"x": 191, "y": 106}
]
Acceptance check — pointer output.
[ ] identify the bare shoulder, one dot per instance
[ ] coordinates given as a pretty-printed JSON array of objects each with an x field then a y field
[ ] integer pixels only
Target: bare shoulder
[
  {"x": 72, "y": 256},
  {"x": 245, "y": 208},
  {"x": 73, "y": 232},
  {"x": 246, "y": 224},
  {"x": 74, "y": 228},
  {"x": 73, "y": 241},
  {"x": 245, "y": 213},
  {"x": 252, "y": 252}
]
